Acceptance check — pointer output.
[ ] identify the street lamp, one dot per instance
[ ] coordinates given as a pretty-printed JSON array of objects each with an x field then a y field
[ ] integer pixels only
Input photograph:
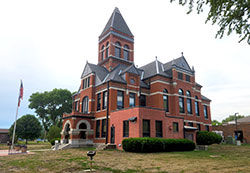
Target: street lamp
[{"x": 235, "y": 115}]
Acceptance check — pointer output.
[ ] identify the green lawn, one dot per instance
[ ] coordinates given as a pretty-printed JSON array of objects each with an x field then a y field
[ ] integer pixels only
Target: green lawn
[{"x": 219, "y": 158}]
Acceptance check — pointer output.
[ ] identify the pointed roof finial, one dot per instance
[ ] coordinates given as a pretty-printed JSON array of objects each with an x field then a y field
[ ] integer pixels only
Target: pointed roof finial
[
  {"x": 116, "y": 10},
  {"x": 181, "y": 53},
  {"x": 155, "y": 57},
  {"x": 86, "y": 61},
  {"x": 193, "y": 68}
]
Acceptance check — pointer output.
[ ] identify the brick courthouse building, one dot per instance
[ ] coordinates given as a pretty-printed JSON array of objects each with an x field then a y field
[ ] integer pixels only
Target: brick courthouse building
[{"x": 117, "y": 100}]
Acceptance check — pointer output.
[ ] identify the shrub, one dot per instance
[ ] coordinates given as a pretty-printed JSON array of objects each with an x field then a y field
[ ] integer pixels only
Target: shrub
[
  {"x": 146, "y": 145},
  {"x": 207, "y": 138},
  {"x": 53, "y": 134},
  {"x": 52, "y": 141}
]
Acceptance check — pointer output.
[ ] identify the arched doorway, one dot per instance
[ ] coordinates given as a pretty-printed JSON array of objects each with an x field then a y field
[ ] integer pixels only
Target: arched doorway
[
  {"x": 67, "y": 136},
  {"x": 83, "y": 128}
]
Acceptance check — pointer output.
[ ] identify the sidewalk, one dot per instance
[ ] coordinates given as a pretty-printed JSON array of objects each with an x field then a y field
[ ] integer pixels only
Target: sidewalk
[{"x": 6, "y": 153}]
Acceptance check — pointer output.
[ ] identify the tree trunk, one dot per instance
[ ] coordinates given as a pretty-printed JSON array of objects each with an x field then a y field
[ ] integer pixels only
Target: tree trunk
[{"x": 26, "y": 141}]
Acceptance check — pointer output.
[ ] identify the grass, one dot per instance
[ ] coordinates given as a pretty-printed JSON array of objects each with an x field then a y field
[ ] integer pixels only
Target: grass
[
  {"x": 31, "y": 145},
  {"x": 219, "y": 158}
]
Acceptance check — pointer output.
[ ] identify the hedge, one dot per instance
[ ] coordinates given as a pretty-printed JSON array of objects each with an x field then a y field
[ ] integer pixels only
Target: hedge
[
  {"x": 148, "y": 145},
  {"x": 207, "y": 138}
]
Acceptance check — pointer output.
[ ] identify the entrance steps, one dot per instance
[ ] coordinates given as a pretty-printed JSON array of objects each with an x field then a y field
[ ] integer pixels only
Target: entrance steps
[{"x": 106, "y": 147}]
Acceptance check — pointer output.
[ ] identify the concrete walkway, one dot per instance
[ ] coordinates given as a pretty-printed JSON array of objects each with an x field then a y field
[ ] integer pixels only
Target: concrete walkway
[{"x": 6, "y": 152}]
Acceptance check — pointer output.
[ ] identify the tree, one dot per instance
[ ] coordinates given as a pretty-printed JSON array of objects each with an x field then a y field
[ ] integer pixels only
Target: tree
[
  {"x": 27, "y": 127},
  {"x": 229, "y": 15},
  {"x": 216, "y": 123},
  {"x": 49, "y": 106},
  {"x": 232, "y": 117},
  {"x": 53, "y": 134}
]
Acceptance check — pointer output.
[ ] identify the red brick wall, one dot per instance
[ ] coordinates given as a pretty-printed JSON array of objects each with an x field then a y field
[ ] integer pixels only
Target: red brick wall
[
  {"x": 135, "y": 128},
  {"x": 228, "y": 130}
]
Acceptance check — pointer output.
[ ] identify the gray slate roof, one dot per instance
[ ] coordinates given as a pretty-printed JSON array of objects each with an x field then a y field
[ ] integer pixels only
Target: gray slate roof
[
  {"x": 117, "y": 22},
  {"x": 116, "y": 75},
  {"x": 205, "y": 98},
  {"x": 158, "y": 68}
]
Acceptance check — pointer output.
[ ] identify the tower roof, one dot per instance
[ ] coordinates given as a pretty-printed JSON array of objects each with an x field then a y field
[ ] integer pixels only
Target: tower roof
[{"x": 117, "y": 22}]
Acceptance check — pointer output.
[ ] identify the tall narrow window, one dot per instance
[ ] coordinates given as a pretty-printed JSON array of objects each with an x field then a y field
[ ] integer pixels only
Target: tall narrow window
[
  {"x": 76, "y": 106},
  {"x": 107, "y": 50},
  {"x": 131, "y": 99},
  {"x": 146, "y": 128},
  {"x": 118, "y": 49},
  {"x": 207, "y": 128},
  {"x": 180, "y": 75},
  {"x": 126, "y": 52},
  {"x": 205, "y": 112},
  {"x": 142, "y": 100},
  {"x": 199, "y": 127},
  {"x": 104, "y": 100},
  {"x": 165, "y": 100},
  {"x": 175, "y": 127},
  {"x": 88, "y": 81},
  {"x": 120, "y": 104},
  {"x": 188, "y": 78},
  {"x": 197, "y": 112},
  {"x": 158, "y": 128},
  {"x": 102, "y": 53},
  {"x": 98, "y": 102},
  {"x": 85, "y": 104},
  {"x": 104, "y": 128},
  {"x": 126, "y": 128},
  {"x": 181, "y": 101},
  {"x": 189, "y": 102},
  {"x": 97, "y": 130}
]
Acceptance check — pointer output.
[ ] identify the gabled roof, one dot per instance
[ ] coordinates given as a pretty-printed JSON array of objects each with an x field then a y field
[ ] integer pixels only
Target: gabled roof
[
  {"x": 180, "y": 63},
  {"x": 117, "y": 22},
  {"x": 154, "y": 68},
  {"x": 100, "y": 72},
  {"x": 131, "y": 69}
]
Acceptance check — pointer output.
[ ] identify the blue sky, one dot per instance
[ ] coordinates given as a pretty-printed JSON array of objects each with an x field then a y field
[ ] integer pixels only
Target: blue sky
[{"x": 47, "y": 43}]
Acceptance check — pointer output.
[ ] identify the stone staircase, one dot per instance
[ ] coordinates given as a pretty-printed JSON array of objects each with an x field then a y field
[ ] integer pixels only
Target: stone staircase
[{"x": 106, "y": 147}]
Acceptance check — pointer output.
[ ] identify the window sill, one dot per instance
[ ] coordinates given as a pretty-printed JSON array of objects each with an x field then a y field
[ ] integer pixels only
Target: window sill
[{"x": 190, "y": 114}]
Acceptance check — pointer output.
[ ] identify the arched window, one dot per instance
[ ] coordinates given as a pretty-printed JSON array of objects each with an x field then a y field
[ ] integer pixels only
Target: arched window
[
  {"x": 165, "y": 100},
  {"x": 107, "y": 50},
  {"x": 85, "y": 104},
  {"x": 189, "y": 102},
  {"x": 181, "y": 101},
  {"x": 83, "y": 126},
  {"x": 126, "y": 52},
  {"x": 102, "y": 53},
  {"x": 196, "y": 103},
  {"x": 118, "y": 49}
]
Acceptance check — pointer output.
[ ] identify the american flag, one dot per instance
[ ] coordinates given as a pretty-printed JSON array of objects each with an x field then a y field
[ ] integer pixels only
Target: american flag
[{"x": 20, "y": 93}]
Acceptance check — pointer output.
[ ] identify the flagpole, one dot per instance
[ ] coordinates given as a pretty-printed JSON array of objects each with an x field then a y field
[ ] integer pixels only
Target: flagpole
[
  {"x": 18, "y": 104},
  {"x": 14, "y": 131}
]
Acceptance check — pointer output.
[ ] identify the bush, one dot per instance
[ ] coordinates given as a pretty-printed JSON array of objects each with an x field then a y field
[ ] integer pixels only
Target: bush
[
  {"x": 207, "y": 138},
  {"x": 53, "y": 134},
  {"x": 52, "y": 141},
  {"x": 147, "y": 145}
]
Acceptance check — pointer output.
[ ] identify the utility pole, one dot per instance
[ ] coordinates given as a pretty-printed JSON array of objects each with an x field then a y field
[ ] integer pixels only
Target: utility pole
[{"x": 236, "y": 126}]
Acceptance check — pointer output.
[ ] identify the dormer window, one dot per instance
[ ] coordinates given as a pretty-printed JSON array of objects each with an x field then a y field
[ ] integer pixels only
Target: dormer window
[
  {"x": 126, "y": 52},
  {"x": 118, "y": 49}
]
